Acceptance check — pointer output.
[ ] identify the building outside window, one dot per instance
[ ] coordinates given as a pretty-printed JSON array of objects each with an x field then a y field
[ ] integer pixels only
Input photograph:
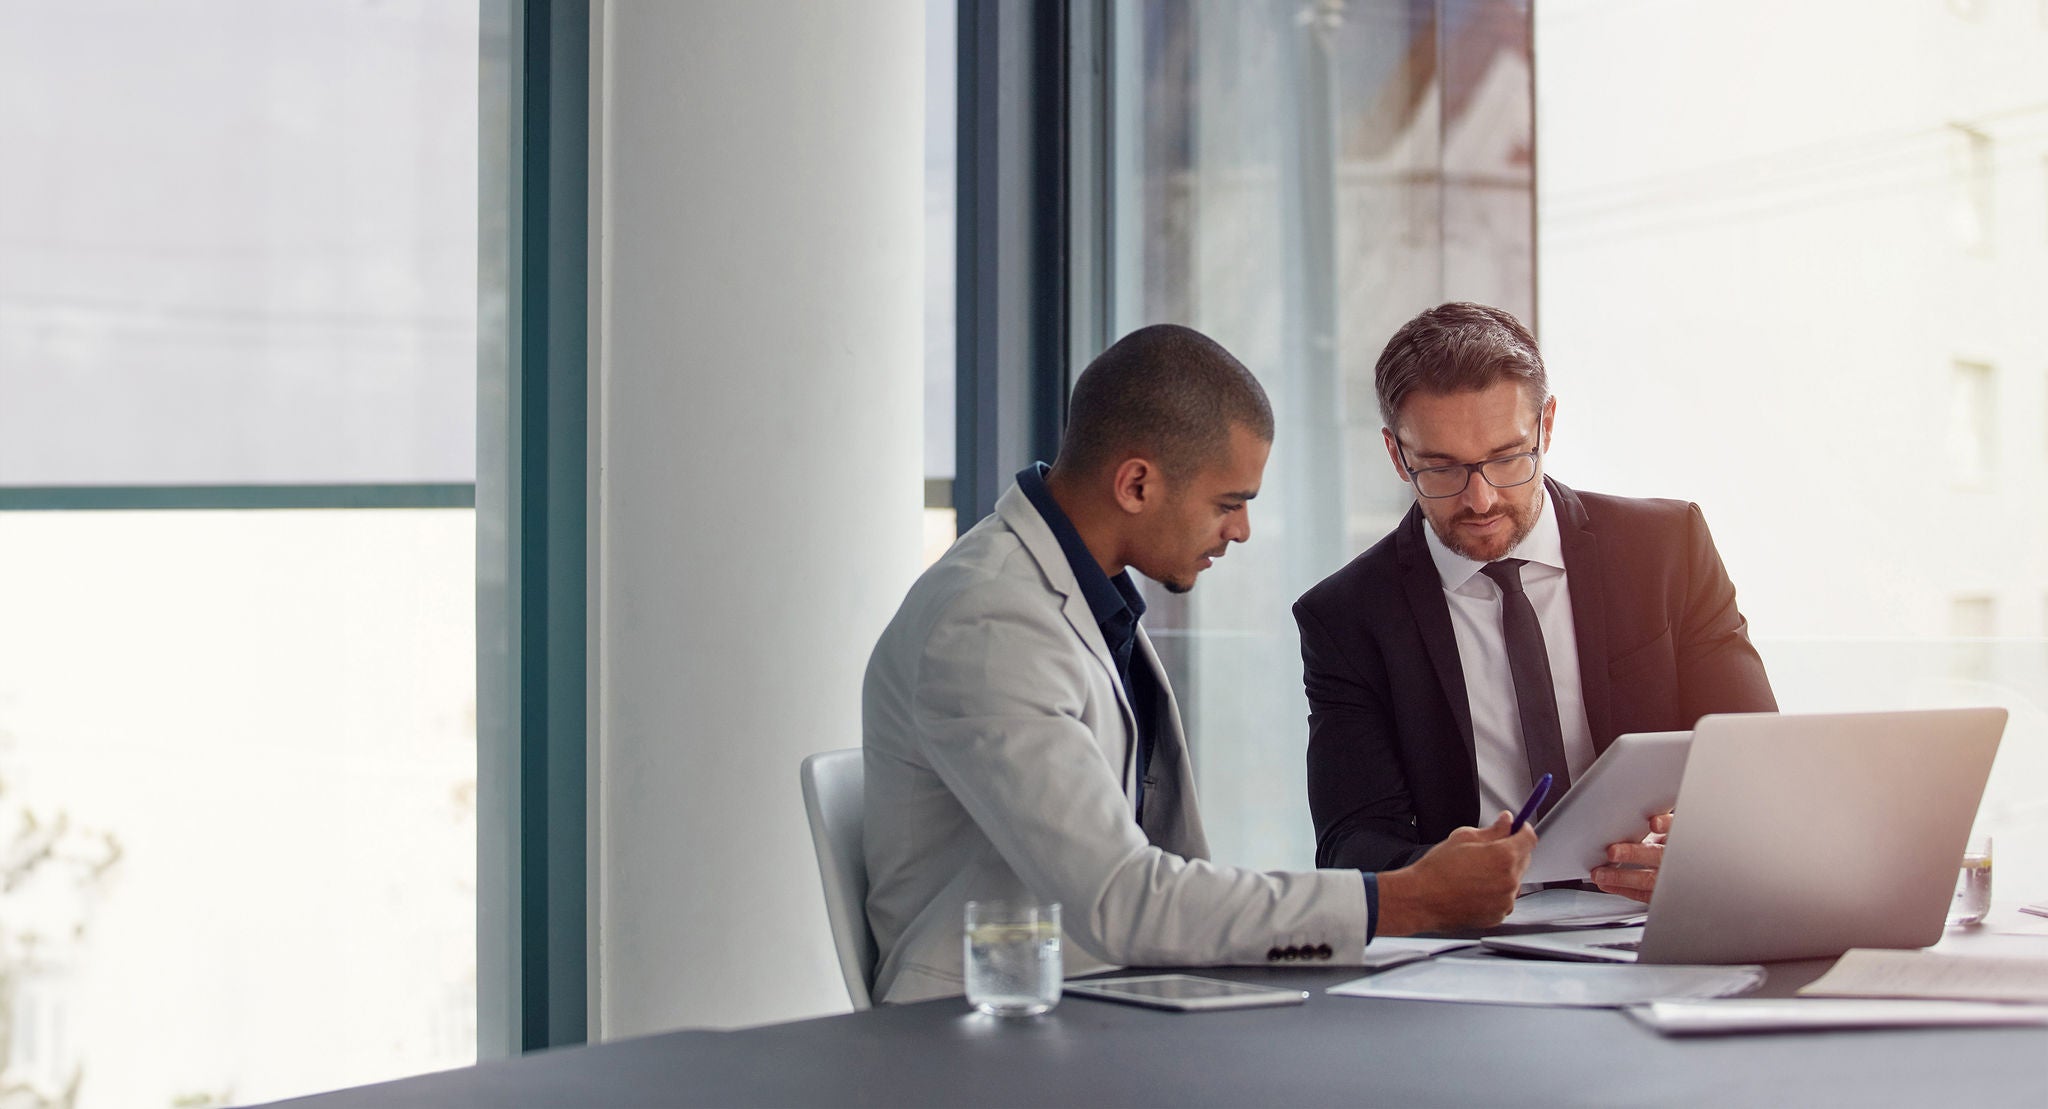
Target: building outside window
[
  {"x": 1973, "y": 425},
  {"x": 1749, "y": 300},
  {"x": 238, "y": 367}
]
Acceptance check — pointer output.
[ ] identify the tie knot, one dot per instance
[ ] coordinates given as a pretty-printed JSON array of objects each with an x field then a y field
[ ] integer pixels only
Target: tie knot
[{"x": 1507, "y": 573}]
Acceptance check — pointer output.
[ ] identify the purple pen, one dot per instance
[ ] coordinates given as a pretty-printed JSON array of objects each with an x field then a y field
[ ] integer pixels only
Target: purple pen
[{"x": 1534, "y": 802}]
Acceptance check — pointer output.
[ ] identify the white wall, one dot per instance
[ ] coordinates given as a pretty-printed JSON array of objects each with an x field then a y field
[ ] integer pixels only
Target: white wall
[{"x": 757, "y": 516}]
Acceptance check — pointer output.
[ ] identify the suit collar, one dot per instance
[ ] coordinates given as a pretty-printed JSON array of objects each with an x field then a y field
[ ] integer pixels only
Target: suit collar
[
  {"x": 1022, "y": 517},
  {"x": 1424, "y": 588},
  {"x": 1115, "y": 600},
  {"x": 1586, "y": 569}
]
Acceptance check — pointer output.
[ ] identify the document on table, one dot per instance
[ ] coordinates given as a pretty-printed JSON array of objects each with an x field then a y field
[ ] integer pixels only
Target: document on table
[
  {"x": 1738, "y": 1015},
  {"x": 1520, "y": 982},
  {"x": 1871, "y": 972},
  {"x": 1393, "y": 951},
  {"x": 1568, "y": 908}
]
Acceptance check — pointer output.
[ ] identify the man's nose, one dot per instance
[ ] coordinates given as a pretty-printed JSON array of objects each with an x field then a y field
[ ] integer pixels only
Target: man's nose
[
  {"x": 1240, "y": 527},
  {"x": 1480, "y": 495}
]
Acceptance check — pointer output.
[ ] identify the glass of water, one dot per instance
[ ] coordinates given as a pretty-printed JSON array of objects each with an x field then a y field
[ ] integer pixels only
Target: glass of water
[
  {"x": 1013, "y": 957},
  {"x": 1973, "y": 885}
]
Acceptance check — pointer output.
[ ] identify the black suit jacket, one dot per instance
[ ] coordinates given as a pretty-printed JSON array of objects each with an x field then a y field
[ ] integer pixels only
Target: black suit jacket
[{"x": 1391, "y": 769}]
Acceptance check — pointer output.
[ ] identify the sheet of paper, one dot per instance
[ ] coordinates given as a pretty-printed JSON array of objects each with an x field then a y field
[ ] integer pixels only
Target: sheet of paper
[
  {"x": 1737, "y": 1015},
  {"x": 1973, "y": 942},
  {"x": 1870, "y": 972},
  {"x": 1565, "y": 908},
  {"x": 1393, "y": 951},
  {"x": 1524, "y": 982}
]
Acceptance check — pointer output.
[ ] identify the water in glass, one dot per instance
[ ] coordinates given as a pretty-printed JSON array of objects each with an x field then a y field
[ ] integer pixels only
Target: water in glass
[
  {"x": 1973, "y": 885},
  {"x": 1013, "y": 958}
]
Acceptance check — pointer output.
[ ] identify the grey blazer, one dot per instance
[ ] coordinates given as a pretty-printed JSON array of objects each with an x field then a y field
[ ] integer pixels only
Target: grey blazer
[{"x": 998, "y": 760}]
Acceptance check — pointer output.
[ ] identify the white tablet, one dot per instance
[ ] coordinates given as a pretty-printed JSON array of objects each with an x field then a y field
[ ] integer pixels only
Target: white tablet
[
  {"x": 1637, "y": 776},
  {"x": 1184, "y": 992}
]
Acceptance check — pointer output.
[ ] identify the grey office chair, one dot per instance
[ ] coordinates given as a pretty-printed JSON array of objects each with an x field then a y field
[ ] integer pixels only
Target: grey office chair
[{"x": 832, "y": 783}]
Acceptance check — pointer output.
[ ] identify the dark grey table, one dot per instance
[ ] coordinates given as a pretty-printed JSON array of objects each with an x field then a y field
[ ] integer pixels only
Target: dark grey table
[{"x": 1330, "y": 1051}]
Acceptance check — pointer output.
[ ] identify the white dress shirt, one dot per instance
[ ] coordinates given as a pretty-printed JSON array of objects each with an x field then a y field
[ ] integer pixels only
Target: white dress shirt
[{"x": 1482, "y": 653}]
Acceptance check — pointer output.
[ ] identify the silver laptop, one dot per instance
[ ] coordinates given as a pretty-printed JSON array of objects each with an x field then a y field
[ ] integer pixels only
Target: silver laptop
[{"x": 1801, "y": 836}]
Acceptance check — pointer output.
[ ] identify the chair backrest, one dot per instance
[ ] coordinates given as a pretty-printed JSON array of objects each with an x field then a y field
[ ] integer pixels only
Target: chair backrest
[{"x": 832, "y": 782}]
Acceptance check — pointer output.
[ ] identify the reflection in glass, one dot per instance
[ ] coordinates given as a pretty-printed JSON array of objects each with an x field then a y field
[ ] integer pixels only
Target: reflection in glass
[{"x": 1297, "y": 180}]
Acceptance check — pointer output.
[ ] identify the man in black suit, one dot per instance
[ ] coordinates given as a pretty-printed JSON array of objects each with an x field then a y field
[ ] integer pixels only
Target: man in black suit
[{"x": 1509, "y": 626}]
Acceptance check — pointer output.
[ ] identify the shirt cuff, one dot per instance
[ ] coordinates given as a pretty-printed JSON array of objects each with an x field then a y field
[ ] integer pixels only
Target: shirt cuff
[{"x": 1372, "y": 905}]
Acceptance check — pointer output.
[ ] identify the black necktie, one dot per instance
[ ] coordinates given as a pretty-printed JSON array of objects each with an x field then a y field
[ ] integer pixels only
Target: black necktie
[{"x": 1535, "y": 694}]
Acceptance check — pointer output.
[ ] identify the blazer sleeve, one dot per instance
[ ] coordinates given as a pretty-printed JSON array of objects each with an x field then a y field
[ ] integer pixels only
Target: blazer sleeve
[
  {"x": 1000, "y": 699},
  {"x": 1718, "y": 668},
  {"x": 1357, "y": 794}
]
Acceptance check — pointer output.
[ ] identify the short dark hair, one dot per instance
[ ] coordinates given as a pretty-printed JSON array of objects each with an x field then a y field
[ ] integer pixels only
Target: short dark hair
[
  {"x": 1456, "y": 348},
  {"x": 1166, "y": 392}
]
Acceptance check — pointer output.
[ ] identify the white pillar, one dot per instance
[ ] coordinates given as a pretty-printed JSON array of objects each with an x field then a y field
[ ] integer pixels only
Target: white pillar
[{"x": 757, "y": 322}]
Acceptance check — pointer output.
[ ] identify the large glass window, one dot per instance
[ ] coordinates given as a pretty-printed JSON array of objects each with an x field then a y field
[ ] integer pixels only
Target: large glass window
[
  {"x": 1808, "y": 302},
  {"x": 238, "y": 270},
  {"x": 1296, "y": 181},
  {"x": 1801, "y": 302},
  {"x": 941, "y": 167}
]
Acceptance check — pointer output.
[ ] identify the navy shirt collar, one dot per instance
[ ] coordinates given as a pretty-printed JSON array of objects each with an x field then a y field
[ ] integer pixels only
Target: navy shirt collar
[{"x": 1115, "y": 602}]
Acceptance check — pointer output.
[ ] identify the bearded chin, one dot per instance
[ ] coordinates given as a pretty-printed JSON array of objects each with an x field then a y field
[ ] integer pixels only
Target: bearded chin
[{"x": 1524, "y": 521}]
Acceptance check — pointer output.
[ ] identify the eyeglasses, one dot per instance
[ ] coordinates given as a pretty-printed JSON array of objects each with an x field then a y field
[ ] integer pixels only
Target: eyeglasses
[{"x": 1505, "y": 472}]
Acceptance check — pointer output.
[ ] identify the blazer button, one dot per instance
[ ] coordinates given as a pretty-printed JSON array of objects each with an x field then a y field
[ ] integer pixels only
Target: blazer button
[
  {"x": 1293, "y": 952},
  {"x": 1272, "y": 954},
  {"x": 1323, "y": 951}
]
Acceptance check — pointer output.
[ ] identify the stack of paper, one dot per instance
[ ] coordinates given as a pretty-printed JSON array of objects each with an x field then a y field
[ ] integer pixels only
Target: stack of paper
[
  {"x": 1736, "y": 1015},
  {"x": 1519, "y": 982},
  {"x": 1570, "y": 908},
  {"x": 1870, "y": 972},
  {"x": 1393, "y": 951}
]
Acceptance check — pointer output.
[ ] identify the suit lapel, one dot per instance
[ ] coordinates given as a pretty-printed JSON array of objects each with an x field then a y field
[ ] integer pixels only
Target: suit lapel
[
  {"x": 1425, "y": 590},
  {"x": 1031, "y": 529},
  {"x": 1585, "y": 572},
  {"x": 1171, "y": 820},
  {"x": 1082, "y": 618}
]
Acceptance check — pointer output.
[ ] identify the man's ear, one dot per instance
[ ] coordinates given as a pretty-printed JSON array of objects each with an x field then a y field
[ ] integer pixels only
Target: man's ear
[
  {"x": 1136, "y": 484},
  {"x": 1394, "y": 453}
]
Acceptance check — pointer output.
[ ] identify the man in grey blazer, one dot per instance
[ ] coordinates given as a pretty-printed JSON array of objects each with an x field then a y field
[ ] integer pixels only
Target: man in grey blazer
[{"x": 1020, "y": 734}]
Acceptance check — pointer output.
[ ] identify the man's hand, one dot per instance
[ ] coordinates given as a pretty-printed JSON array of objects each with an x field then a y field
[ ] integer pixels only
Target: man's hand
[
  {"x": 1467, "y": 881},
  {"x": 1631, "y": 869}
]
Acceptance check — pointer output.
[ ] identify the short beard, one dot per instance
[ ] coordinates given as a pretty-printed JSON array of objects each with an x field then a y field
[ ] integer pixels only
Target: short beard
[{"x": 1524, "y": 523}]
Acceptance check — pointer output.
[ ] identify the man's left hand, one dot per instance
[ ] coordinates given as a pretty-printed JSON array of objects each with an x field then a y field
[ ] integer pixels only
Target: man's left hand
[{"x": 1631, "y": 869}]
